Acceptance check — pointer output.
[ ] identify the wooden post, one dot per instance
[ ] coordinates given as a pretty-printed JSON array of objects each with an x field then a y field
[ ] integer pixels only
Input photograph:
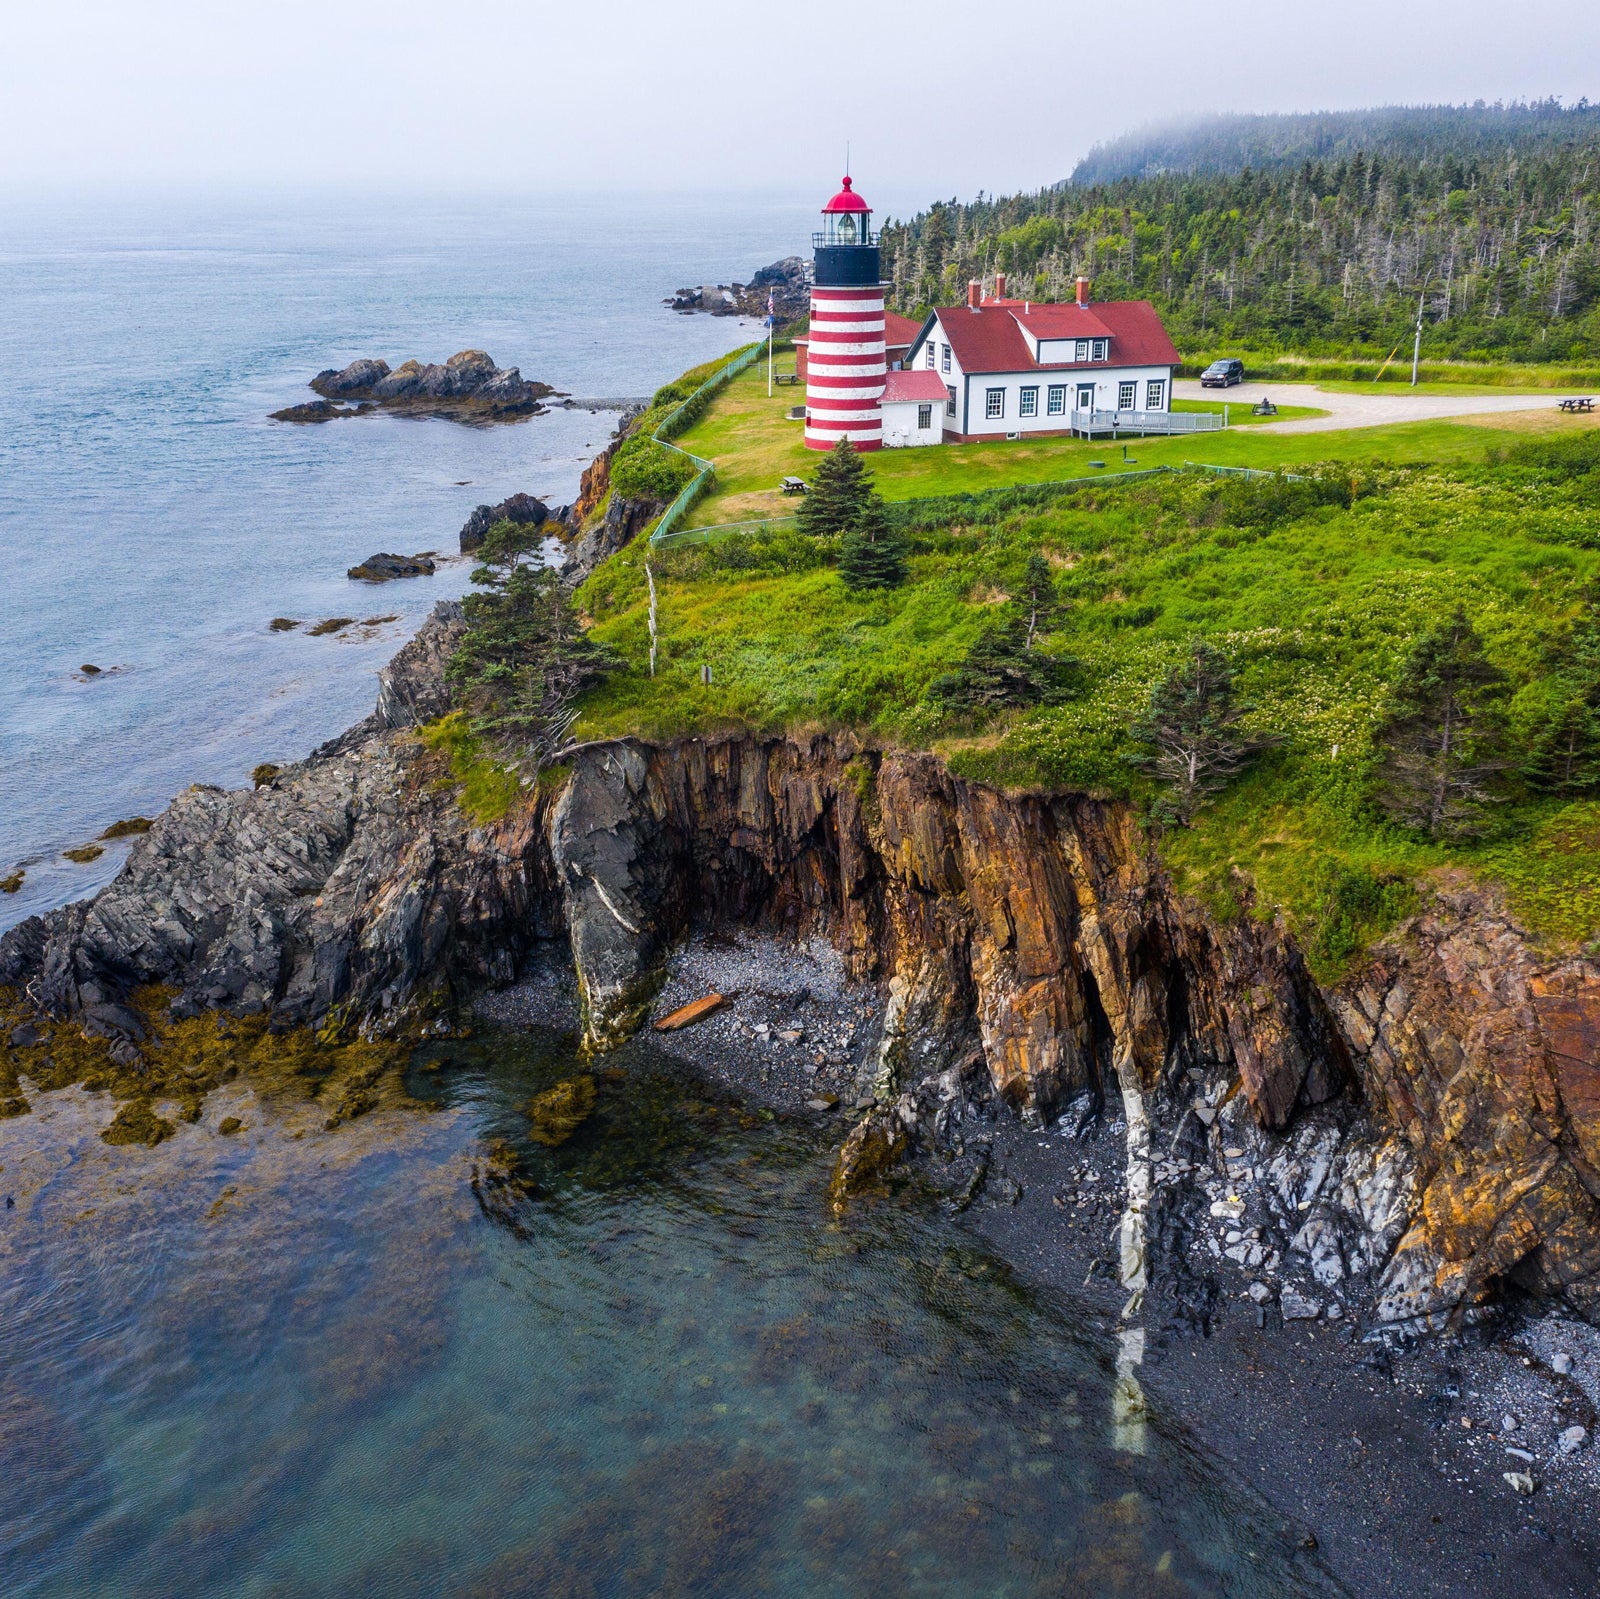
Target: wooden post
[{"x": 650, "y": 578}]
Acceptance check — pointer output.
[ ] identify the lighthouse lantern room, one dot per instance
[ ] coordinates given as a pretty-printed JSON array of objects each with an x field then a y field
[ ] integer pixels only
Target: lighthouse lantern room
[{"x": 845, "y": 366}]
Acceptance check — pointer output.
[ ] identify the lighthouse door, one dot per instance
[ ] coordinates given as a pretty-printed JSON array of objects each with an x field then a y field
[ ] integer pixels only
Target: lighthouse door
[{"x": 1086, "y": 396}]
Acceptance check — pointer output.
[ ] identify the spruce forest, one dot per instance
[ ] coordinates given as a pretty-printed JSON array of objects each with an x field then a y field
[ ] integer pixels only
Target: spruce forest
[{"x": 1316, "y": 234}]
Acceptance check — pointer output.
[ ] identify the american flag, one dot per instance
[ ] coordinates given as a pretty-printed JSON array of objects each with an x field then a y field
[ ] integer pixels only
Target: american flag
[{"x": 772, "y": 310}]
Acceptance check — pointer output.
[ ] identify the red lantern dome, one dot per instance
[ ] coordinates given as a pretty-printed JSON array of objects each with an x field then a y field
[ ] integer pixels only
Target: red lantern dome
[{"x": 845, "y": 200}]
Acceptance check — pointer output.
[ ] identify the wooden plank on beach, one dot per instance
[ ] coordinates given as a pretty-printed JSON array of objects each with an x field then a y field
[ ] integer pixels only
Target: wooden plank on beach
[{"x": 686, "y": 1015}]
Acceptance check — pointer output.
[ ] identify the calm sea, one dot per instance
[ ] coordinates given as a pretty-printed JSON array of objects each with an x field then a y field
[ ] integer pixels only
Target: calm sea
[{"x": 153, "y": 521}]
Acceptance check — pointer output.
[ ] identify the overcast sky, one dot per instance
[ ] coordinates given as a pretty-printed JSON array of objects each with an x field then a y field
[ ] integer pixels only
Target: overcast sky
[{"x": 936, "y": 98}]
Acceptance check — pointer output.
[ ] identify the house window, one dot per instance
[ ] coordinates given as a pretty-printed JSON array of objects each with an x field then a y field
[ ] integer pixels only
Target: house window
[
  {"x": 930, "y": 355},
  {"x": 994, "y": 403},
  {"x": 950, "y": 404},
  {"x": 947, "y": 358},
  {"x": 1125, "y": 395},
  {"x": 1154, "y": 392},
  {"x": 1030, "y": 403},
  {"x": 1083, "y": 350},
  {"x": 924, "y": 416},
  {"x": 1056, "y": 400},
  {"x": 1102, "y": 349}
]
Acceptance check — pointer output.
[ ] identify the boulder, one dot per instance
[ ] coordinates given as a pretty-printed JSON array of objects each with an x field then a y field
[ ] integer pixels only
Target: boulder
[
  {"x": 519, "y": 508},
  {"x": 318, "y": 411},
  {"x": 381, "y": 568},
  {"x": 356, "y": 381}
]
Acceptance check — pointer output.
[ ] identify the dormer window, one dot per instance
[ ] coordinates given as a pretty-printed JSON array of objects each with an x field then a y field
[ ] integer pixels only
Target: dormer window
[
  {"x": 1102, "y": 349},
  {"x": 1083, "y": 350}
]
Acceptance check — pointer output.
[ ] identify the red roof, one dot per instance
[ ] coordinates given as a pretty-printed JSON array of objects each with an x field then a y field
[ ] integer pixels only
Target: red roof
[
  {"x": 1061, "y": 321},
  {"x": 920, "y": 386},
  {"x": 990, "y": 338},
  {"x": 846, "y": 200},
  {"x": 899, "y": 331}
]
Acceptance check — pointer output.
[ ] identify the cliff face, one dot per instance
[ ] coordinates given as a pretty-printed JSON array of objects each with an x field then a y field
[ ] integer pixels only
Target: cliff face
[
  {"x": 1418, "y": 1139},
  {"x": 1429, "y": 1131}
]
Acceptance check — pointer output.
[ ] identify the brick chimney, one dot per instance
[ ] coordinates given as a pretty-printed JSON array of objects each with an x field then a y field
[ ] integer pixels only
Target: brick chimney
[
  {"x": 1083, "y": 291},
  {"x": 974, "y": 295},
  {"x": 999, "y": 285}
]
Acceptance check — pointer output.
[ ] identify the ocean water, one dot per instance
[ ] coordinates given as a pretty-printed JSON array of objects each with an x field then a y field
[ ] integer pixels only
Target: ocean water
[
  {"x": 289, "y": 1363},
  {"x": 153, "y": 521}
]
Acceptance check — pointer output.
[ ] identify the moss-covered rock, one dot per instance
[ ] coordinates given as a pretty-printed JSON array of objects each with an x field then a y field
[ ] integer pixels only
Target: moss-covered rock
[
  {"x": 129, "y": 827},
  {"x": 556, "y": 1114},
  {"x": 874, "y": 1148},
  {"x": 137, "y": 1123}
]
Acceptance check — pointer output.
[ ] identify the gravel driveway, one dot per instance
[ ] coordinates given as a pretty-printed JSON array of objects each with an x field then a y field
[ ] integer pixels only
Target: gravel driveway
[{"x": 1364, "y": 410}]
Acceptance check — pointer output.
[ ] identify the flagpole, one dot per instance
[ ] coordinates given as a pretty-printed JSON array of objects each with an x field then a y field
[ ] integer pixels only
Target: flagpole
[{"x": 770, "y": 320}]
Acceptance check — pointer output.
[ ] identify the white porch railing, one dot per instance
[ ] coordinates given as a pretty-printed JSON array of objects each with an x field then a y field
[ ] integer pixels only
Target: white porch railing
[{"x": 1092, "y": 423}]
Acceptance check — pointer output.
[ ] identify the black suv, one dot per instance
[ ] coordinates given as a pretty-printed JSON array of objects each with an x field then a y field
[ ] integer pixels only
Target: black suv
[{"x": 1222, "y": 375}]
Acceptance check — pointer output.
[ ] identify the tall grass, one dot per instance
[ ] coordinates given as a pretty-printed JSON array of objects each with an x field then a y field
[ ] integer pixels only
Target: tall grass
[{"x": 1315, "y": 591}]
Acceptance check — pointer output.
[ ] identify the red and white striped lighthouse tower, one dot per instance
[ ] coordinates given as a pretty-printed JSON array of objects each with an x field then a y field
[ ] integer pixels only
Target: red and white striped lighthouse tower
[{"x": 845, "y": 366}]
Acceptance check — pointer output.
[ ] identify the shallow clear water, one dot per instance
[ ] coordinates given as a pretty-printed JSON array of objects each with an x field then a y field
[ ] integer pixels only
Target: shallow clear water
[
  {"x": 153, "y": 520},
  {"x": 356, "y": 1364}
]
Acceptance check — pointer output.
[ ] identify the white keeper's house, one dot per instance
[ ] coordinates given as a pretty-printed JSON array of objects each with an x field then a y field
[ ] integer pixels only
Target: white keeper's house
[
  {"x": 1017, "y": 367},
  {"x": 993, "y": 368}
]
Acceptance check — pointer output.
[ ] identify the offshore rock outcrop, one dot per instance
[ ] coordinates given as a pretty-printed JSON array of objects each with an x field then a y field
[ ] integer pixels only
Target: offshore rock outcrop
[
  {"x": 1413, "y": 1143},
  {"x": 469, "y": 387}
]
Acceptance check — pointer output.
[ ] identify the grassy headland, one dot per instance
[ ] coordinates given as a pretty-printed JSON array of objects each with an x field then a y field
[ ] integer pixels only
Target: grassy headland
[{"x": 1314, "y": 590}]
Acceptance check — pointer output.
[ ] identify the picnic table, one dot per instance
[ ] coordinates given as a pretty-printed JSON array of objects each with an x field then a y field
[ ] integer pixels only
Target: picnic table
[
  {"x": 794, "y": 485},
  {"x": 787, "y": 377},
  {"x": 1575, "y": 405},
  {"x": 1263, "y": 408}
]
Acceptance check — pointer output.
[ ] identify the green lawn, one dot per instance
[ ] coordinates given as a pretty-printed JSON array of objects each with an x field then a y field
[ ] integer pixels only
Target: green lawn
[
  {"x": 1451, "y": 390},
  {"x": 1314, "y": 599},
  {"x": 754, "y": 445},
  {"x": 1492, "y": 377},
  {"x": 1239, "y": 415}
]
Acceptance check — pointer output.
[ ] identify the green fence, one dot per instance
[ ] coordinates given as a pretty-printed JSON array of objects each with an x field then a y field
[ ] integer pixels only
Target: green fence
[
  {"x": 1246, "y": 472},
  {"x": 700, "y": 535},
  {"x": 679, "y": 420}
]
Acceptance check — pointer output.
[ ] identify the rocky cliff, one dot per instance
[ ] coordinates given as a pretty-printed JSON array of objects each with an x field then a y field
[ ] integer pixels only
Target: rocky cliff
[{"x": 1415, "y": 1143}]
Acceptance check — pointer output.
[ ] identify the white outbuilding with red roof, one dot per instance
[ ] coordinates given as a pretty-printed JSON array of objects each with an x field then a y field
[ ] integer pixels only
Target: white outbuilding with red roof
[{"x": 913, "y": 409}]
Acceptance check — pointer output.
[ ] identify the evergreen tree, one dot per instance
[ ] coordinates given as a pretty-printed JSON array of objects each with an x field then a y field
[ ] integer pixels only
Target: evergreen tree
[
  {"x": 1003, "y": 669},
  {"x": 1443, "y": 734},
  {"x": 1190, "y": 727},
  {"x": 1564, "y": 757},
  {"x": 835, "y": 498},
  {"x": 523, "y": 659},
  {"x": 872, "y": 554},
  {"x": 1038, "y": 597},
  {"x": 1564, "y": 754}
]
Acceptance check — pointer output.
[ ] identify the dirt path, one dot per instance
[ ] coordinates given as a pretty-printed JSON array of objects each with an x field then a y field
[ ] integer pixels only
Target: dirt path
[{"x": 1364, "y": 410}]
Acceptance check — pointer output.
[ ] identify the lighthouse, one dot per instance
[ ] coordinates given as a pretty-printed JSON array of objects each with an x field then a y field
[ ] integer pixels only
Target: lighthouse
[{"x": 845, "y": 367}]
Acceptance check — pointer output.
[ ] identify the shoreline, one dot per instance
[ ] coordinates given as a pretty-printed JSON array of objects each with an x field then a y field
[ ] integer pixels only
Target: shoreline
[{"x": 1356, "y": 1444}]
